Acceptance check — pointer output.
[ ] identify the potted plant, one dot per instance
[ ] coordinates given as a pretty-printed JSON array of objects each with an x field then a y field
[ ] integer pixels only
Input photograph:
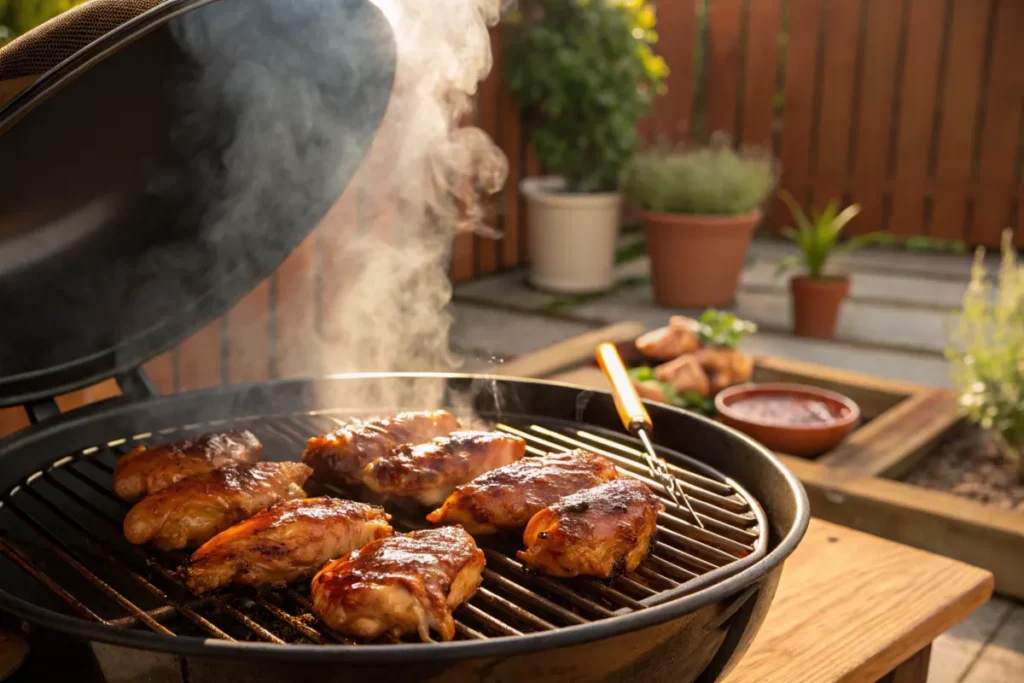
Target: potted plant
[
  {"x": 699, "y": 208},
  {"x": 817, "y": 294},
  {"x": 584, "y": 73}
]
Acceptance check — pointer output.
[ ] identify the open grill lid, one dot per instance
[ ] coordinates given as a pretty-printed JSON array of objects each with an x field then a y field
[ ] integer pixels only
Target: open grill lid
[{"x": 156, "y": 175}]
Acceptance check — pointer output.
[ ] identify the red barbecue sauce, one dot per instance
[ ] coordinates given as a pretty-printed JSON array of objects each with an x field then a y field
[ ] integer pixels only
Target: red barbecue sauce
[{"x": 784, "y": 410}]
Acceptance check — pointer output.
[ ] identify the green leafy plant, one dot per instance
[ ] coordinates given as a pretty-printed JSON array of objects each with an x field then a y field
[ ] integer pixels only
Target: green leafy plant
[
  {"x": 688, "y": 400},
  {"x": 585, "y": 73},
  {"x": 986, "y": 351},
  {"x": 19, "y": 16},
  {"x": 723, "y": 329},
  {"x": 818, "y": 235},
  {"x": 712, "y": 180}
]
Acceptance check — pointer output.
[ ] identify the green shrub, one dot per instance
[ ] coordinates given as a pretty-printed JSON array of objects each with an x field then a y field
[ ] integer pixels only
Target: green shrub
[
  {"x": 19, "y": 16},
  {"x": 584, "y": 73},
  {"x": 713, "y": 180},
  {"x": 986, "y": 351}
]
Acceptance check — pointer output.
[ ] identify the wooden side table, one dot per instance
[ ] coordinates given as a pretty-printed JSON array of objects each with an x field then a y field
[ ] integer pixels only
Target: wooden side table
[{"x": 856, "y": 608}]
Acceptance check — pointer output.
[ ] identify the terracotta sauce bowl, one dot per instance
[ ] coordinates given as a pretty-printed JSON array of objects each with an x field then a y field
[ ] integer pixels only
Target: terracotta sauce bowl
[{"x": 795, "y": 419}]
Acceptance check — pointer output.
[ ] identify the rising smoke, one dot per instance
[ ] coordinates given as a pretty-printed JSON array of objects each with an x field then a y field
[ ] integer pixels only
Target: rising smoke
[{"x": 427, "y": 176}]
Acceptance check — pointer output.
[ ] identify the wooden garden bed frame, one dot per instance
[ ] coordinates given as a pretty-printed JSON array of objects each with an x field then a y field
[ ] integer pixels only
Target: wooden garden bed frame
[{"x": 855, "y": 484}]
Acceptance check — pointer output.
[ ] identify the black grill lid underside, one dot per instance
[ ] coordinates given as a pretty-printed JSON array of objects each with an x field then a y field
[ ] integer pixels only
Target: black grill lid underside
[{"x": 159, "y": 174}]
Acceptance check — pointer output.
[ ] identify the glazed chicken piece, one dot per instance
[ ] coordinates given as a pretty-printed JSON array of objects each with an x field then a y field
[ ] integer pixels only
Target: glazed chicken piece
[
  {"x": 290, "y": 541},
  {"x": 430, "y": 471},
  {"x": 344, "y": 453},
  {"x": 400, "y": 584},
  {"x": 673, "y": 340},
  {"x": 506, "y": 498},
  {"x": 144, "y": 470},
  {"x": 194, "y": 510},
  {"x": 684, "y": 374},
  {"x": 725, "y": 367},
  {"x": 602, "y": 531}
]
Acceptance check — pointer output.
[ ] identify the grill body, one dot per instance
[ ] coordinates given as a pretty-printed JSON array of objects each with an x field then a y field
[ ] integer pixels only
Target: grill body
[{"x": 694, "y": 631}]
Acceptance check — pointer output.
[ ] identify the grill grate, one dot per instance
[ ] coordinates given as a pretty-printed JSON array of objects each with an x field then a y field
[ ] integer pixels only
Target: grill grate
[{"x": 62, "y": 528}]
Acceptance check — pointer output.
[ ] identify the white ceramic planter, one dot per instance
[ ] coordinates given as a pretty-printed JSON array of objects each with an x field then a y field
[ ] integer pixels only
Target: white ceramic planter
[{"x": 572, "y": 237}]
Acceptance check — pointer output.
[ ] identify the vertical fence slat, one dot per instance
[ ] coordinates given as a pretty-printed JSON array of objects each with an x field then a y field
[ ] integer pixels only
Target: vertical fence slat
[
  {"x": 724, "y": 59},
  {"x": 960, "y": 102},
  {"x": 512, "y": 144},
  {"x": 884, "y": 19},
  {"x": 677, "y": 31},
  {"x": 199, "y": 358},
  {"x": 759, "y": 82},
  {"x": 249, "y": 347},
  {"x": 83, "y": 397},
  {"x": 160, "y": 371},
  {"x": 336, "y": 232},
  {"x": 917, "y": 109},
  {"x": 295, "y": 308},
  {"x": 798, "y": 108},
  {"x": 838, "y": 85},
  {"x": 12, "y": 419},
  {"x": 1000, "y": 127},
  {"x": 487, "y": 119}
]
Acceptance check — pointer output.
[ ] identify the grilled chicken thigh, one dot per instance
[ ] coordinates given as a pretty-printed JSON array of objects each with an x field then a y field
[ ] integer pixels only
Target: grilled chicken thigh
[
  {"x": 430, "y": 471},
  {"x": 144, "y": 470},
  {"x": 506, "y": 498},
  {"x": 344, "y": 453},
  {"x": 400, "y": 584},
  {"x": 290, "y": 541},
  {"x": 194, "y": 510},
  {"x": 602, "y": 531}
]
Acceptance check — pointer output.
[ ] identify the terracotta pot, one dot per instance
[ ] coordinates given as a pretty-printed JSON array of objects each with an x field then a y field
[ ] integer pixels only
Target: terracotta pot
[
  {"x": 792, "y": 439},
  {"x": 571, "y": 236},
  {"x": 696, "y": 260},
  {"x": 816, "y": 303}
]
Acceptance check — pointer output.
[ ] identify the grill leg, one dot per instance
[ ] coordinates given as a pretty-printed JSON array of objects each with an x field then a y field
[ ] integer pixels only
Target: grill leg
[{"x": 914, "y": 670}]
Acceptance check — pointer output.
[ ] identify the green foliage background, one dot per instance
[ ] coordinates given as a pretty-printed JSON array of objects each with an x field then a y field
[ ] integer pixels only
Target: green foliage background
[
  {"x": 19, "y": 16},
  {"x": 585, "y": 72}
]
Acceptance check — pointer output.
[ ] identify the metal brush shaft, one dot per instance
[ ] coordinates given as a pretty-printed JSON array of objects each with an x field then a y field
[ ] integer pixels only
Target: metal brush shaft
[{"x": 636, "y": 420}]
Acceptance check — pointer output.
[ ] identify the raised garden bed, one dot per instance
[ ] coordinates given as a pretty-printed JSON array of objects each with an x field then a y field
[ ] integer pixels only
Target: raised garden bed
[{"x": 895, "y": 476}]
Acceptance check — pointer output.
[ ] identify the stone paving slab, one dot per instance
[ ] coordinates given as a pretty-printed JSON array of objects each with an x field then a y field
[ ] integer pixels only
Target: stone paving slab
[
  {"x": 877, "y": 287},
  {"x": 484, "y": 335},
  {"x": 1002, "y": 660},
  {"x": 906, "y": 327},
  {"x": 955, "y": 652}
]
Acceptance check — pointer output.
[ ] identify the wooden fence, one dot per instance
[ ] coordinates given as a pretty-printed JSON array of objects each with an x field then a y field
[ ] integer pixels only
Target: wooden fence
[{"x": 912, "y": 108}]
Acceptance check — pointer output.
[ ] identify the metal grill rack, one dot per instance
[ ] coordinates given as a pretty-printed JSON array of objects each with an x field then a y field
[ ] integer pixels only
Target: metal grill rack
[{"x": 62, "y": 528}]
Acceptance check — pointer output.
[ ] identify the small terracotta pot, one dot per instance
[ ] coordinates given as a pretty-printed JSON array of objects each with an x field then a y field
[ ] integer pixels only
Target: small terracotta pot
[
  {"x": 816, "y": 303},
  {"x": 791, "y": 439},
  {"x": 696, "y": 260}
]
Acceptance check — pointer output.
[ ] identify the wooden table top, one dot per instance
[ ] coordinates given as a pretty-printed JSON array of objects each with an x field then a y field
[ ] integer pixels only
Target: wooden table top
[{"x": 851, "y": 607}]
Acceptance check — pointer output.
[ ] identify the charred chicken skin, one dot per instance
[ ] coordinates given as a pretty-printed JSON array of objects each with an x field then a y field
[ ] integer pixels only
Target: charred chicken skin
[
  {"x": 194, "y": 510},
  {"x": 144, "y": 470},
  {"x": 402, "y": 584},
  {"x": 506, "y": 498},
  {"x": 344, "y": 453},
  {"x": 430, "y": 471},
  {"x": 602, "y": 531},
  {"x": 290, "y": 541}
]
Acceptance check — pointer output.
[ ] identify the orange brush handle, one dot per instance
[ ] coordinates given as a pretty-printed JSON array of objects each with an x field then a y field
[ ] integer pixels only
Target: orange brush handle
[{"x": 631, "y": 409}]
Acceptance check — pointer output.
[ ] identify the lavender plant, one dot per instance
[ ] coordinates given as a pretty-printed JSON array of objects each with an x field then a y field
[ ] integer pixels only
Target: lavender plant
[{"x": 986, "y": 351}]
